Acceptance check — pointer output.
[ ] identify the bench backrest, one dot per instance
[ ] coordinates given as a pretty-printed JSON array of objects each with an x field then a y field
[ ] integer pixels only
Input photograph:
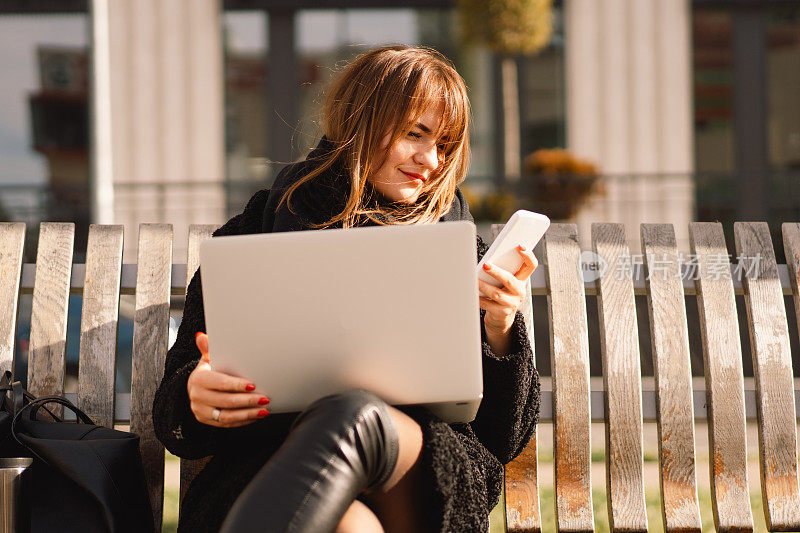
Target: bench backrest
[
  {"x": 154, "y": 279},
  {"x": 101, "y": 281}
]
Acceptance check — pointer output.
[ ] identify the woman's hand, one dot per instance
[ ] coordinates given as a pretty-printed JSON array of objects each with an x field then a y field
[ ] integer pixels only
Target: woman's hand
[
  {"x": 501, "y": 303},
  {"x": 222, "y": 400}
]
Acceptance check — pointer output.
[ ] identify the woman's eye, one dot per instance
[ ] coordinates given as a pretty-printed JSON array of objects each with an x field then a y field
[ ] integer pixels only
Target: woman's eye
[{"x": 415, "y": 135}]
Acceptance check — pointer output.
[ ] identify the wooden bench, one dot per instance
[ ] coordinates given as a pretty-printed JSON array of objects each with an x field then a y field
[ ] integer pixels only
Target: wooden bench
[{"x": 154, "y": 279}]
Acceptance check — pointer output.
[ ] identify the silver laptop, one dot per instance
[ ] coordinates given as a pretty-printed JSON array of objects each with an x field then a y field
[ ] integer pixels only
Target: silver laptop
[{"x": 391, "y": 309}]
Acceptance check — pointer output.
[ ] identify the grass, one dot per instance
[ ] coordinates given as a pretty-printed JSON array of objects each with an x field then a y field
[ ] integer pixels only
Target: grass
[
  {"x": 171, "y": 500},
  {"x": 170, "y": 511}
]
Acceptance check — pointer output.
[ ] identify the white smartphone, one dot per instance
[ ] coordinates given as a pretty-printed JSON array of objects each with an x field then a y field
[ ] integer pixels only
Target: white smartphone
[{"x": 524, "y": 227}]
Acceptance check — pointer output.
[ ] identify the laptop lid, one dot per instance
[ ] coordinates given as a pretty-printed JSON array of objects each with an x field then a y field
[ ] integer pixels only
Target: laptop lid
[{"x": 391, "y": 309}]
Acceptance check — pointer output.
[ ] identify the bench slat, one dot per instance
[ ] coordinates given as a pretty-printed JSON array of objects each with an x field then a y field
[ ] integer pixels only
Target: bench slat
[
  {"x": 522, "y": 492},
  {"x": 197, "y": 234},
  {"x": 99, "y": 320},
  {"x": 569, "y": 356},
  {"x": 521, "y": 479},
  {"x": 791, "y": 248},
  {"x": 724, "y": 379},
  {"x": 622, "y": 379},
  {"x": 46, "y": 358},
  {"x": 12, "y": 243},
  {"x": 673, "y": 377},
  {"x": 772, "y": 368},
  {"x": 150, "y": 338}
]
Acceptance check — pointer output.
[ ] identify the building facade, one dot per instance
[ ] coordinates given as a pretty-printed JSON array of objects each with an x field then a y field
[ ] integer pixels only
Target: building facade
[{"x": 687, "y": 108}]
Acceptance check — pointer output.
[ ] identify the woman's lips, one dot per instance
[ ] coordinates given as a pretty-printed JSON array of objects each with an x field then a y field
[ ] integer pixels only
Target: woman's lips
[{"x": 412, "y": 175}]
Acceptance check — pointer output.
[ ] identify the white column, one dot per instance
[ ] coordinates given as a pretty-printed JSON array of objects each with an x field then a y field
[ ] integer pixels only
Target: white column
[
  {"x": 120, "y": 33},
  {"x": 167, "y": 109},
  {"x": 629, "y": 105},
  {"x": 644, "y": 157},
  {"x": 175, "y": 76},
  {"x": 583, "y": 32},
  {"x": 676, "y": 130},
  {"x": 206, "y": 122},
  {"x": 582, "y": 42},
  {"x": 615, "y": 117},
  {"x": 102, "y": 184},
  {"x": 641, "y": 202}
]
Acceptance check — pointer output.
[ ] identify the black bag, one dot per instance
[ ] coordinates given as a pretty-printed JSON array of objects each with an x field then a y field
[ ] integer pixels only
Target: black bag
[{"x": 84, "y": 477}]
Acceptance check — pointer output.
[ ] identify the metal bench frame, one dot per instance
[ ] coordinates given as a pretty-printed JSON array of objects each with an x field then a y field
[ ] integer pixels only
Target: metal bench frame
[{"x": 154, "y": 279}]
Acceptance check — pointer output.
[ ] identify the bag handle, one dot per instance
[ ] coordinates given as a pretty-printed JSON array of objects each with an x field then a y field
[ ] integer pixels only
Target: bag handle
[
  {"x": 18, "y": 397},
  {"x": 8, "y": 385},
  {"x": 5, "y": 386},
  {"x": 5, "y": 381},
  {"x": 36, "y": 404}
]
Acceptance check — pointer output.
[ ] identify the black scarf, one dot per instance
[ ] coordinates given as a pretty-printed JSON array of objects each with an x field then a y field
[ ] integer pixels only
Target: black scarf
[{"x": 324, "y": 197}]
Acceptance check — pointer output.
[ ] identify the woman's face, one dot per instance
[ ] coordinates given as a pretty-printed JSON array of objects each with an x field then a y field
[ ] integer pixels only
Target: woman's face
[{"x": 411, "y": 161}]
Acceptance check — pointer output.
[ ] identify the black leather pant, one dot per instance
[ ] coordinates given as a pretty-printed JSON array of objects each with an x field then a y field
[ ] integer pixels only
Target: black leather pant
[{"x": 338, "y": 447}]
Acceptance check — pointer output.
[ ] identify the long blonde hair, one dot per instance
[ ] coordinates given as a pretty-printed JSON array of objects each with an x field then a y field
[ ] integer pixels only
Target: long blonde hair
[{"x": 392, "y": 86}]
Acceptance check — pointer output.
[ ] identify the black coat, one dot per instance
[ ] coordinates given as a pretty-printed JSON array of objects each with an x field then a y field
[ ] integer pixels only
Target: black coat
[{"x": 462, "y": 463}]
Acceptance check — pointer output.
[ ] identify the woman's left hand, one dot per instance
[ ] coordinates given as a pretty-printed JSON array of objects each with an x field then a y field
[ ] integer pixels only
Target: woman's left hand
[{"x": 501, "y": 303}]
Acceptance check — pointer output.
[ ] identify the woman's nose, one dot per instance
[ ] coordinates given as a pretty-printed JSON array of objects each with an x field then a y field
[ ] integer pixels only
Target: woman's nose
[{"x": 428, "y": 157}]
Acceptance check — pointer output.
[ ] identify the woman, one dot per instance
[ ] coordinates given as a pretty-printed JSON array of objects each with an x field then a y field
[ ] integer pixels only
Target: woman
[{"x": 396, "y": 143}]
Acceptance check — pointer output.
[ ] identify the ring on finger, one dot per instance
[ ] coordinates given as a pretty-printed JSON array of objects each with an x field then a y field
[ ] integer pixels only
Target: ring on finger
[{"x": 215, "y": 414}]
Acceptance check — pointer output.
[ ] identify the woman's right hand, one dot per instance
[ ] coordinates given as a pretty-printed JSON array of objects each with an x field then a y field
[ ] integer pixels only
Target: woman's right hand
[{"x": 219, "y": 399}]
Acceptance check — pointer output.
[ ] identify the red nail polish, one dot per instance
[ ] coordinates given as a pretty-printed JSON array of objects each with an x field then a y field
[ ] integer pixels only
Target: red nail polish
[
  {"x": 486, "y": 266},
  {"x": 250, "y": 387},
  {"x": 263, "y": 401},
  {"x": 262, "y": 413},
  {"x": 521, "y": 248},
  {"x": 197, "y": 335}
]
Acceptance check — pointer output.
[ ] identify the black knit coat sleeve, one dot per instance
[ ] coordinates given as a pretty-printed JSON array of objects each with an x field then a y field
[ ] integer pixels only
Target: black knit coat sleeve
[
  {"x": 174, "y": 423},
  {"x": 508, "y": 413}
]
